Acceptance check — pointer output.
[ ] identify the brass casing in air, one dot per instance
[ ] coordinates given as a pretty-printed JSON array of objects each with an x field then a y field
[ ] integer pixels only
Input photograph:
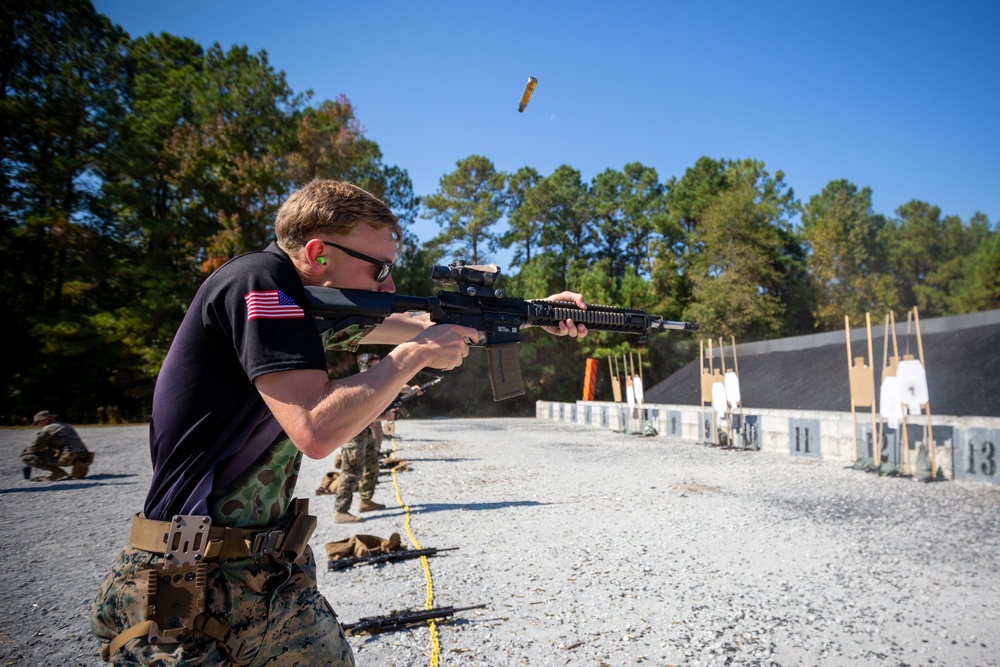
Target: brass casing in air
[{"x": 528, "y": 90}]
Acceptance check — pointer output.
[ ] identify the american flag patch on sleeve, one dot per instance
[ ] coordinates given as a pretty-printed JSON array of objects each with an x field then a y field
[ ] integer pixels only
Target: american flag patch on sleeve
[{"x": 271, "y": 305}]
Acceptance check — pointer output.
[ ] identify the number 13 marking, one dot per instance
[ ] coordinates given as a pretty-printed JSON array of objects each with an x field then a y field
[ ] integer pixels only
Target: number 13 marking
[{"x": 988, "y": 464}]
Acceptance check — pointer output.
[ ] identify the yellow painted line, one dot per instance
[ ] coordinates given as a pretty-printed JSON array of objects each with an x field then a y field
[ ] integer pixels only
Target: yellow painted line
[{"x": 429, "y": 603}]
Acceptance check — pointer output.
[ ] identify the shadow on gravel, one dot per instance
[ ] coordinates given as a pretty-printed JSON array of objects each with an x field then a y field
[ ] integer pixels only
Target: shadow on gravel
[{"x": 66, "y": 485}]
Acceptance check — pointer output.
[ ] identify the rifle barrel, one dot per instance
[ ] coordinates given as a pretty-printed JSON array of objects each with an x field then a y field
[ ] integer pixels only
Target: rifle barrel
[{"x": 660, "y": 323}]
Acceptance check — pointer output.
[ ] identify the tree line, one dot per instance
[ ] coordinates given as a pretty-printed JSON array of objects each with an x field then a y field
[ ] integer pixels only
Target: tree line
[{"x": 133, "y": 167}]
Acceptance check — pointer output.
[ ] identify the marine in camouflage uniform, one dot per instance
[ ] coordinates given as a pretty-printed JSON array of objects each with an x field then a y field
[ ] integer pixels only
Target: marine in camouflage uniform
[
  {"x": 219, "y": 452},
  {"x": 218, "y": 569},
  {"x": 359, "y": 464},
  {"x": 358, "y": 472},
  {"x": 57, "y": 445}
]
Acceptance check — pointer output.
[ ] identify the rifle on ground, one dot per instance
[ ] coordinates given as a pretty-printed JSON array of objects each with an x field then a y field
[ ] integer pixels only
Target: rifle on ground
[
  {"x": 397, "y": 620},
  {"x": 338, "y": 564},
  {"x": 397, "y": 404},
  {"x": 478, "y": 305}
]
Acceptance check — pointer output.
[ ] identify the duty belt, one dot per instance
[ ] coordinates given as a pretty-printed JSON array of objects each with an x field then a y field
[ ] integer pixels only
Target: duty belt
[{"x": 222, "y": 542}]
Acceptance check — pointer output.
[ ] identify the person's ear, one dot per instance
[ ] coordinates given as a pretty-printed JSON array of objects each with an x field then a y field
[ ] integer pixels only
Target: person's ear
[{"x": 314, "y": 251}]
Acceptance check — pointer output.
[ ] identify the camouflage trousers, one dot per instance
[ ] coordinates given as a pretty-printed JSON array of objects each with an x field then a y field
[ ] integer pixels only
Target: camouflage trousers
[
  {"x": 358, "y": 472},
  {"x": 273, "y": 607}
]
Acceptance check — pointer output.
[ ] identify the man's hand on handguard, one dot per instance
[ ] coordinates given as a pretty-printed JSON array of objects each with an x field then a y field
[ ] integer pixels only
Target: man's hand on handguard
[{"x": 569, "y": 327}]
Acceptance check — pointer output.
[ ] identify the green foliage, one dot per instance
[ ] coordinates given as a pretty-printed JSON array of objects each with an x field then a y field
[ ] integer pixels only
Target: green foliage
[
  {"x": 979, "y": 288},
  {"x": 468, "y": 204},
  {"x": 848, "y": 261},
  {"x": 629, "y": 206},
  {"x": 928, "y": 254},
  {"x": 525, "y": 216},
  {"x": 569, "y": 232},
  {"x": 738, "y": 268},
  {"x": 232, "y": 173},
  {"x": 735, "y": 279},
  {"x": 64, "y": 72}
]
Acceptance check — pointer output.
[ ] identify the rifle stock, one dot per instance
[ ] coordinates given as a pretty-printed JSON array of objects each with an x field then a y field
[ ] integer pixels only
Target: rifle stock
[{"x": 497, "y": 318}]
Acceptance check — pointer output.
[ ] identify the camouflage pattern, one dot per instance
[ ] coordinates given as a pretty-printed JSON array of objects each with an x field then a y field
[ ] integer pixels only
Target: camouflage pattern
[
  {"x": 370, "y": 467},
  {"x": 272, "y": 606},
  {"x": 345, "y": 340},
  {"x": 261, "y": 495},
  {"x": 358, "y": 467}
]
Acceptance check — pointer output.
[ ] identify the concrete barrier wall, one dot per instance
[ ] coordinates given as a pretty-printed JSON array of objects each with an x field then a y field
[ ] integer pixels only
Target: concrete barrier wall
[{"x": 966, "y": 448}]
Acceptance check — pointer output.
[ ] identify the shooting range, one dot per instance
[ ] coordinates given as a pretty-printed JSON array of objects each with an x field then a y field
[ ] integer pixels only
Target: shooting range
[{"x": 795, "y": 397}]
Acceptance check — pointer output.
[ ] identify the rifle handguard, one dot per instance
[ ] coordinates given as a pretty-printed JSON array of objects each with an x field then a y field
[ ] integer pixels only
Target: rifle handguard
[{"x": 543, "y": 313}]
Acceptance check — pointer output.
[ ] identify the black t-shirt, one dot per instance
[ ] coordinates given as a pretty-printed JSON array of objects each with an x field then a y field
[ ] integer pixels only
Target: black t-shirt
[{"x": 209, "y": 423}]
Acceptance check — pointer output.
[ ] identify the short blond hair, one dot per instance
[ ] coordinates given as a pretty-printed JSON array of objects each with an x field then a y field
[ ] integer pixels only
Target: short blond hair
[{"x": 329, "y": 207}]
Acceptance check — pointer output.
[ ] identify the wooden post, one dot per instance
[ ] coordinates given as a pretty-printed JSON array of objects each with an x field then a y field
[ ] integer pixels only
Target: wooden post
[
  {"x": 706, "y": 395},
  {"x": 850, "y": 385},
  {"x": 729, "y": 409},
  {"x": 904, "y": 436},
  {"x": 736, "y": 369},
  {"x": 931, "y": 445},
  {"x": 871, "y": 365},
  {"x": 616, "y": 387},
  {"x": 885, "y": 365},
  {"x": 701, "y": 382},
  {"x": 736, "y": 362},
  {"x": 862, "y": 380}
]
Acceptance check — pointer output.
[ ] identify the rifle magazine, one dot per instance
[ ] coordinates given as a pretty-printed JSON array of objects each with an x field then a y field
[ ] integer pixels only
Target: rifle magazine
[{"x": 505, "y": 371}]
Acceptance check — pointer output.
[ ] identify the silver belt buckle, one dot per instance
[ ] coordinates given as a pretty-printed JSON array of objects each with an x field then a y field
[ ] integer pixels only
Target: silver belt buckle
[{"x": 265, "y": 542}]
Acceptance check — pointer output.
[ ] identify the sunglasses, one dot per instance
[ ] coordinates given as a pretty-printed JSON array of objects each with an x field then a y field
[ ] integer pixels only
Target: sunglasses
[{"x": 384, "y": 268}]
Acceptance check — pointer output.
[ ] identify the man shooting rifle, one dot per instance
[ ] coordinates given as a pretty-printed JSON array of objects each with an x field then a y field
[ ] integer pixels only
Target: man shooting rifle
[{"x": 479, "y": 305}]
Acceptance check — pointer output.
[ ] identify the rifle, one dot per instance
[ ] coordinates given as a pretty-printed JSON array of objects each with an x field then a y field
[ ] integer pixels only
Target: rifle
[
  {"x": 399, "y": 619},
  {"x": 407, "y": 395},
  {"x": 338, "y": 564},
  {"x": 478, "y": 305}
]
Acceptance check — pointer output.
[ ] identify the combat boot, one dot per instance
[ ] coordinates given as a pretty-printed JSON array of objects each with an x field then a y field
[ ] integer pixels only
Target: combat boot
[
  {"x": 369, "y": 505},
  {"x": 82, "y": 465},
  {"x": 346, "y": 517},
  {"x": 55, "y": 474}
]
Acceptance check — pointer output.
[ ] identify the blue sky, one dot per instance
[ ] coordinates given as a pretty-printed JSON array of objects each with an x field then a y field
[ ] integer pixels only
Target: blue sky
[{"x": 901, "y": 97}]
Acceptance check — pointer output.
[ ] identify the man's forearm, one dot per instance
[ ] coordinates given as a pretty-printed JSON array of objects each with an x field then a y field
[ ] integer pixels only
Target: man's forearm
[{"x": 398, "y": 328}]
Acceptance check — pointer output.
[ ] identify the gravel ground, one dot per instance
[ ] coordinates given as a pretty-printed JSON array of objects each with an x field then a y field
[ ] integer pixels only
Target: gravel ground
[{"x": 587, "y": 548}]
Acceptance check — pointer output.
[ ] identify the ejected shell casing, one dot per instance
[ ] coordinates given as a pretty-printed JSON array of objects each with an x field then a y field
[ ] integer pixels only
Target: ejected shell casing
[{"x": 528, "y": 90}]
